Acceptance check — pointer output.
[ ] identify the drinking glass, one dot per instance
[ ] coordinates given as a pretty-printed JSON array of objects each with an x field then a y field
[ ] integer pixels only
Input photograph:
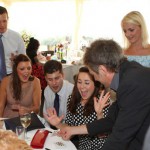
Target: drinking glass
[
  {"x": 20, "y": 131},
  {"x": 25, "y": 121}
]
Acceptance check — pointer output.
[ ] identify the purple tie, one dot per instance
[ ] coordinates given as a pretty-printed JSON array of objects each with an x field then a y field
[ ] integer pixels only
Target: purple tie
[
  {"x": 2, "y": 60},
  {"x": 56, "y": 103}
]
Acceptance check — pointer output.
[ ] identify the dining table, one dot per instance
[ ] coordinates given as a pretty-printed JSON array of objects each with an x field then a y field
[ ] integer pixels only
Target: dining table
[{"x": 53, "y": 141}]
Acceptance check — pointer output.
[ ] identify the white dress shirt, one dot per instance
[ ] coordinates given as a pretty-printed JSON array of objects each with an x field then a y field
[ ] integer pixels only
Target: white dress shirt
[
  {"x": 49, "y": 95},
  {"x": 13, "y": 43}
]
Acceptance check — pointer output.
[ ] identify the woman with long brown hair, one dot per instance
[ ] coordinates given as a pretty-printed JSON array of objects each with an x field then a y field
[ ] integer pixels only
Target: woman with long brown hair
[
  {"x": 81, "y": 109},
  {"x": 20, "y": 92}
]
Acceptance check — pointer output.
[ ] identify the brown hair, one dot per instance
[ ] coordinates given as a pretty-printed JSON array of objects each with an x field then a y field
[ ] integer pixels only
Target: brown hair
[
  {"x": 52, "y": 66},
  {"x": 103, "y": 52},
  {"x": 3, "y": 10},
  {"x": 16, "y": 83},
  {"x": 76, "y": 97}
]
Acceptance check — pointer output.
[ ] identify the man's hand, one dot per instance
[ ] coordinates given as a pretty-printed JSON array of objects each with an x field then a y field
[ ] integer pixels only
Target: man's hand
[
  {"x": 66, "y": 132},
  {"x": 52, "y": 117}
]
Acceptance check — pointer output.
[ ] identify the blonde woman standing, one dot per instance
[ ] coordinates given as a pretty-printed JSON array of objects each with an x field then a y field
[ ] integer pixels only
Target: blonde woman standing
[{"x": 136, "y": 45}]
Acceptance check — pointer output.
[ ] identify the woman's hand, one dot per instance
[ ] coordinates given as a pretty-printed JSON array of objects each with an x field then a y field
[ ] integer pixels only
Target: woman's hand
[
  {"x": 23, "y": 110},
  {"x": 52, "y": 117},
  {"x": 101, "y": 103},
  {"x": 15, "y": 107}
]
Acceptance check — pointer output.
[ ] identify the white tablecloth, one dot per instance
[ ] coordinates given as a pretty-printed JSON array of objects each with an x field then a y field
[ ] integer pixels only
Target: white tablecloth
[{"x": 52, "y": 141}]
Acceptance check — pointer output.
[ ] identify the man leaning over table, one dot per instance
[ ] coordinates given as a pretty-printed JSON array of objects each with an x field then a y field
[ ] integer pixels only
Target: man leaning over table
[
  {"x": 129, "y": 117},
  {"x": 54, "y": 76},
  {"x": 13, "y": 44}
]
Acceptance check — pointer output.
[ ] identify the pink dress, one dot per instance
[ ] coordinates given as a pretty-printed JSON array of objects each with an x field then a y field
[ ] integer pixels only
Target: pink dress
[{"x": 26, "y": 99}]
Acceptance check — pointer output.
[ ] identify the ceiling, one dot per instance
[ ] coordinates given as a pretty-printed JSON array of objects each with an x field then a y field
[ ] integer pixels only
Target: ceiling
[{"x": 9, "y": 2}]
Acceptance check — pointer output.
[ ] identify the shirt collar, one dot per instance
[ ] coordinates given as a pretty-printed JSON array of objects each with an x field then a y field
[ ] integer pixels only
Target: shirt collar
[
  {"x": 62, "y": 90},
  {"x": 115, "y": 82},
  {"x": 5, "y": 33}
]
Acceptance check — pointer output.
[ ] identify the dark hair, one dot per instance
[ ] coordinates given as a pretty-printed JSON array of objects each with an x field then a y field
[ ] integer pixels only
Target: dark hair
[
  {"x": 3, "y": 10},
  {"x": 103, "y": 52},
  {"x": 32, "y": 49},
  {"x": 52, "y": 66},
  {"x": 33, "y": 45},
  {"x": 16, "y": 83},
  {"x": 76, "y": 97}
]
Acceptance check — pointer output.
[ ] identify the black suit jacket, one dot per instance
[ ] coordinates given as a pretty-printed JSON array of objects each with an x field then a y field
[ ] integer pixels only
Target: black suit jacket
[{"x": 129, "y": 116}]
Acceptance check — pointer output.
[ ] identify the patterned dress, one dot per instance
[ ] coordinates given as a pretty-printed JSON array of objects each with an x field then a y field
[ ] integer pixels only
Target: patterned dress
[
  {"x": 85, "y": 141},
  {"x": 143, "y": 60},
  {"x": 38, "y": 72}
]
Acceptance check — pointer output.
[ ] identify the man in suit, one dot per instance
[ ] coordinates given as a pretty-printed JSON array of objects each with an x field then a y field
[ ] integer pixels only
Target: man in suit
[{"x": 129, "y": 116}]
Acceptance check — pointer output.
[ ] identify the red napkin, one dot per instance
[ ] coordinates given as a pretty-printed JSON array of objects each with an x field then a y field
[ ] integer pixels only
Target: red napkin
[{"x": 39, "y": 139}]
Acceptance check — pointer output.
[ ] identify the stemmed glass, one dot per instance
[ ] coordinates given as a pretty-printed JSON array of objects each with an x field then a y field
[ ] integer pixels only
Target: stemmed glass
[{"x": 25, "y": 121}]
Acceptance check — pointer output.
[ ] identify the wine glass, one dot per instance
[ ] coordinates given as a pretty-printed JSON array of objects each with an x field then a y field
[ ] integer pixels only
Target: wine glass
[{"x": 25, "y": 121}]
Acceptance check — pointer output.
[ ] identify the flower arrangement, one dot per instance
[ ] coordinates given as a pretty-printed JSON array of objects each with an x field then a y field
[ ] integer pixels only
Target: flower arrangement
[
  {"x": 61, "y": 50},
  {"x": 26, "y": 37}
]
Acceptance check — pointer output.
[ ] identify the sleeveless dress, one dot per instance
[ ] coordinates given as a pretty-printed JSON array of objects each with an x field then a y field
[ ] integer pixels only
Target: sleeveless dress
[
  {"x": 143, "y": 60},
  {"x": 26, "y": 99}
]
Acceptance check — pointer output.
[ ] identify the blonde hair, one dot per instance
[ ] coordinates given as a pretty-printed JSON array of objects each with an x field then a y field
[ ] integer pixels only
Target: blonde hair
[
  {"x": 136, "y": 18},
  {"x": 9, "y": 141}
]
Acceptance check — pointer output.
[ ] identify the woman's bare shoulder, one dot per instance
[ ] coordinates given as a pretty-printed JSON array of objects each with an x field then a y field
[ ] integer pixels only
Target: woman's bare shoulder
[
  {"x": 5, "y": 80},
  {"x": 146, "y": 51},
  {"x": 128, "y": 51},
  {"x": 36, "y": 84},
  {"x": 36, "y": 81}
]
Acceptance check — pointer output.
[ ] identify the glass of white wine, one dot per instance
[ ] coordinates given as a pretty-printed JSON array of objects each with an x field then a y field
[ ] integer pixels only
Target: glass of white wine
[{"x": 25, "y": 121}]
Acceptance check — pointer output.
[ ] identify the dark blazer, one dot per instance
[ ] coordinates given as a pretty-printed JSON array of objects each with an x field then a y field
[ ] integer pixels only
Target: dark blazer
[{"x": 129, "y": 116}]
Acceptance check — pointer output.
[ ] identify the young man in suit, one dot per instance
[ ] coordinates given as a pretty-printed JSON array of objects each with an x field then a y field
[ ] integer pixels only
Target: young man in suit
[{"x": 129, "y": 117}]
